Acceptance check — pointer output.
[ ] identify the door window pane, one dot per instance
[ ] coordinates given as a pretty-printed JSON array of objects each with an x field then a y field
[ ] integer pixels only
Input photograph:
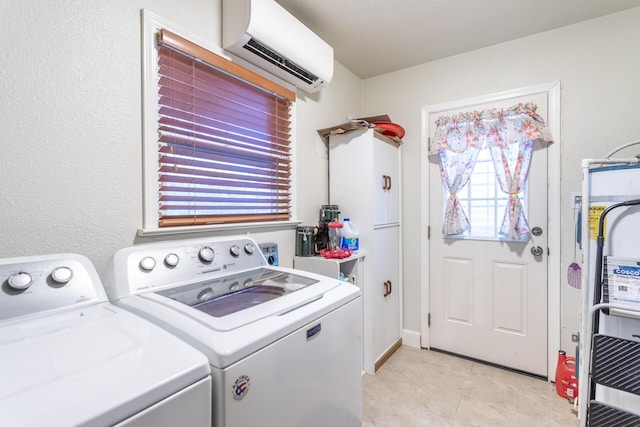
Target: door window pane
[{"x": 483, "y": 201}]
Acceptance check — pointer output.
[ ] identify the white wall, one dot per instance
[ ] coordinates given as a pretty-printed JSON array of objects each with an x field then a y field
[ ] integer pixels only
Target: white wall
[
  {"x": 598, "y": 65},
  {"x": 70, "y": 116},
  {"x": 343, "y": 96}
]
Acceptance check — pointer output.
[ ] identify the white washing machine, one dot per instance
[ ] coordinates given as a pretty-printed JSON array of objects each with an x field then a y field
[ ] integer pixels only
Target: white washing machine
[
  {"x": 68, "y": 357},
  {"x": 285, "y": 346}
]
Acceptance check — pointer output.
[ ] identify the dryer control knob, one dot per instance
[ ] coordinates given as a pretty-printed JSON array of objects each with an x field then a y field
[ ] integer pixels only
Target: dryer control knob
[
  {"x": 171, "y": 260},
  {"x": 20, "y": 281},
  {"x": 61, "y": 275},
  {"x": 235, "y": 250},
  {"x": 249, "y": 248},
  {"x": 206, "y": 254},
  {"x": 147, "y": 263}
]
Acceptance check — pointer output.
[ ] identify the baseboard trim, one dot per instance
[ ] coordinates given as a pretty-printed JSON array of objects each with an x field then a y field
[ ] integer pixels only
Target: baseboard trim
[
  {"x": 411, "y": 338},
  {"x": 387, "y": 354}
]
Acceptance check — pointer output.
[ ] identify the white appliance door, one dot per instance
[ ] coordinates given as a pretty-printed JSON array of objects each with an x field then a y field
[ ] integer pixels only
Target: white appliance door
[
  {"x": 235, "y": 300},
  {"x": 311, "y": 377}
]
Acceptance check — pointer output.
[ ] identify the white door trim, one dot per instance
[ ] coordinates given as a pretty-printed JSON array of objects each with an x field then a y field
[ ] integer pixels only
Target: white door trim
[{"x": 553, "y": 202}]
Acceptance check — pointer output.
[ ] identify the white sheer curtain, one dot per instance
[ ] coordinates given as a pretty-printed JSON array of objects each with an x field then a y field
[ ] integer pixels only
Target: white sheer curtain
[
  {"x": 511, "y": 163},
  {"x": 457, "y": 157},
  {"x": 510, "y": 135}
]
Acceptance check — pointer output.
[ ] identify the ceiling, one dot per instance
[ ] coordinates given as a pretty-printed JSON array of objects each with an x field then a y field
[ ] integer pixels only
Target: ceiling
[{"x": 373, "y": 37}]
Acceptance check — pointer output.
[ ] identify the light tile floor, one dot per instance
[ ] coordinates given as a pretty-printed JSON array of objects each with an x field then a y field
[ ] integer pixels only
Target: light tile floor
[{"x": 426, "y": 388}]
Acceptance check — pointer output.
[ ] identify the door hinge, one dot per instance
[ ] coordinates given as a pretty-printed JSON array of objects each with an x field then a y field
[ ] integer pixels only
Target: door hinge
[
  {"x": 428, "y": 232},
  {"x": 428, "y": 320},
  {"x": 548, "y": 252}
]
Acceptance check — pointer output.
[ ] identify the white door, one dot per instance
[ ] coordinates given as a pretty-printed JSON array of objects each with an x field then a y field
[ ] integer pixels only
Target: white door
[{"x": 488, "y": 297}]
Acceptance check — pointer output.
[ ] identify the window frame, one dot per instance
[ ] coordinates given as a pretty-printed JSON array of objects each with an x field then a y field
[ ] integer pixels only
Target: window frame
[{"x": 151, "y": 25}]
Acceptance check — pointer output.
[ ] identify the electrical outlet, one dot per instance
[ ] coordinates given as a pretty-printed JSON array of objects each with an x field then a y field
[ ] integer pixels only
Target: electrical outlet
[{"x": 575, "y": 337}]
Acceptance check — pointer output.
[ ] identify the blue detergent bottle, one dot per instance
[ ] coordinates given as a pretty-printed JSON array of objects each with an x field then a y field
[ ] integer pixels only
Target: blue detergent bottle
[{"x": 350, "y": 236}]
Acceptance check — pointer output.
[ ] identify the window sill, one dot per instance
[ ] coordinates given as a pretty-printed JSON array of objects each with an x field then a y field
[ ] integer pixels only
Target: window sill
[{"x": 255, "y": 226}]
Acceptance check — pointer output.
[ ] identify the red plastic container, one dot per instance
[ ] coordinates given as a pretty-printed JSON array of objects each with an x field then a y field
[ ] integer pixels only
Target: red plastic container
[{"x": 566, "y": 381}]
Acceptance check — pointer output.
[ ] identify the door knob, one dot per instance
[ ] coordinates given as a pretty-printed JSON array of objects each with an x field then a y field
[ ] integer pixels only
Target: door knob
[{"x": 536, "y": 251}]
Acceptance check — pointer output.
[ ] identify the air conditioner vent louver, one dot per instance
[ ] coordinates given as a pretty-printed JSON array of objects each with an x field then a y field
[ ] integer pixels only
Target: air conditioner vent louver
[
  {"x": 277, "y": 60},
  {"x": 264, "y": 34}
]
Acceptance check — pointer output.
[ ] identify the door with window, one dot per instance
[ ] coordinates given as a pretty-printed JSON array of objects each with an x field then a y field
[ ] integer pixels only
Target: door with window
[{"x": 488, "y": 293}]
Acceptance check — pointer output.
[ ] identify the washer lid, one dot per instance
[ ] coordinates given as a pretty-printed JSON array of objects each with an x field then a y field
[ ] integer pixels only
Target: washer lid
[
  {"x": 242, "y": 298},
  {"x": 98, "y": 365},
  {"x": 230, "y": 294}
]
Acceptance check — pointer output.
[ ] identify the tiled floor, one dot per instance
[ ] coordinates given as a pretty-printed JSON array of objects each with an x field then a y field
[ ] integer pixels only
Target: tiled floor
[{"x": 426, "y": 388}]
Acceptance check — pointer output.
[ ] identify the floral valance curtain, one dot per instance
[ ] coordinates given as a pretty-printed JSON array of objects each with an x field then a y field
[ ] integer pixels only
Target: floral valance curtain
[{"x": 510, "y": 135}]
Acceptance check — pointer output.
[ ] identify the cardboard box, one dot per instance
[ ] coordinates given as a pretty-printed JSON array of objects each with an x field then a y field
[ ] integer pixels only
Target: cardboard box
[{"x": 361, "y": 123}]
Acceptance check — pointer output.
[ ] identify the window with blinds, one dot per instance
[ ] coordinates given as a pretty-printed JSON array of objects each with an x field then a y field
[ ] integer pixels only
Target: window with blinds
[{"x": 224, "y": 149}]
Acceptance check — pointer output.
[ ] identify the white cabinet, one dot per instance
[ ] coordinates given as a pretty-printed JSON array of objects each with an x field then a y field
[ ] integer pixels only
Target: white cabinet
[
  {"x": 385, "y": 290},
  {"x": 385, "y": 189},
  {"x": 364, "y": 181}
]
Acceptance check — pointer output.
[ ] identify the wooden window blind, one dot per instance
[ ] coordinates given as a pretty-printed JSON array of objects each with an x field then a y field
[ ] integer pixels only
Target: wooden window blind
[{"x": 223, "y": 139}]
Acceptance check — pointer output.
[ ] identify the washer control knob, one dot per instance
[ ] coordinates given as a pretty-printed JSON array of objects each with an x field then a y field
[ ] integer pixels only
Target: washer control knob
[
  {"x": 61, "y": 275},
  {"x": 249, "y": 248},
  {"x": 171, "y": 260},
  {"x": 206, "y": 254},
  {"x": 235, "y": 250},
  {"x": 20, "y": 281},
  {"x": 147, "y": 263}
]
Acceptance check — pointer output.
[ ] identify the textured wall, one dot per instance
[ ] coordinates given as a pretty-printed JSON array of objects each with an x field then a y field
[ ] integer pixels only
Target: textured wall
[
  {"x": 597, "y": 65},
  {"x": 70, "y": 119},
  {"x": 71, "y": 161}
]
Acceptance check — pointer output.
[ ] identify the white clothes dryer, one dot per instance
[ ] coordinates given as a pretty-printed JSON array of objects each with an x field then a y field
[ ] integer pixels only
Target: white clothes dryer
[
  {"x": 285, "y": 346},
  {"x": 68, "y": 357}
]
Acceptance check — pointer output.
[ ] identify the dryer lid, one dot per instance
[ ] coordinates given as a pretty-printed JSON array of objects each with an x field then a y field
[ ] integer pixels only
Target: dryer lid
[{"x": 95, "y": 365}]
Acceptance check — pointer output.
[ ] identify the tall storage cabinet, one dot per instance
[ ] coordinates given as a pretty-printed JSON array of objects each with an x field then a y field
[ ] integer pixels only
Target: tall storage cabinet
[{"x": 364, "y": 181}]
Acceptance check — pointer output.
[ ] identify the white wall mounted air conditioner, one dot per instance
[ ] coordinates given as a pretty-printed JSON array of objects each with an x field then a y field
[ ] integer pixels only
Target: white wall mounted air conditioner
[{"x": 263, "y": 33}]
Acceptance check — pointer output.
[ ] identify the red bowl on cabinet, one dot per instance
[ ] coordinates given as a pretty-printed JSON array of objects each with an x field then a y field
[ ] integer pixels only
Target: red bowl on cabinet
[{"x": 390, "y": 129}]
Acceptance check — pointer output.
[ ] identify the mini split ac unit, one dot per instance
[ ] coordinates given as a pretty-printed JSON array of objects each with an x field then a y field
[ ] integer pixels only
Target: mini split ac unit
[{"x": 263, "y": 33}]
